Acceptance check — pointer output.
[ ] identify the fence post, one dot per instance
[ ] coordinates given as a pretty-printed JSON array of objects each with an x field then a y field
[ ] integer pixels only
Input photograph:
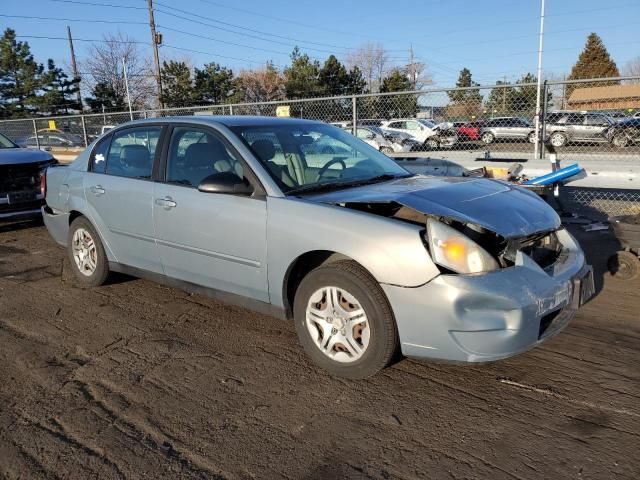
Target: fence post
[
  {"x": 144, "y": 112},
  {"x": 354, "y": 114},
  {"x": 84, "y": 131},
  {"x": 230, "y": 109},
  {"x": 543, "y": 121},
  {"x": 35, "y": 132}
]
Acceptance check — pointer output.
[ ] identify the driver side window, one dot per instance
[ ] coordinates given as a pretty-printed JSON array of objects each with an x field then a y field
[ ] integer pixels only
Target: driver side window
[{"x": 194, "y": 154}]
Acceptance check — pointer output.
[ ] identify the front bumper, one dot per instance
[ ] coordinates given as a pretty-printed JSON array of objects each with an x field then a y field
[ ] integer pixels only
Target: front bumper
[{"x": 487, "y": 317}]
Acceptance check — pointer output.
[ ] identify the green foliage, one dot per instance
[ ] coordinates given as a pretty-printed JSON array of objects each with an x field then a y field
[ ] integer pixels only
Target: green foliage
[
  {"x": 105, "y": 96},
  {"x": 302, "y": 77},
  {"x": 177, "y": 86},
  {"x": 356, "y": 82},
  {"x": 471, "y": 96},
  {"x": 515, "y": 100},
  {"x": 396, "y": 106},
  {"x": 594, "y": 62},
  {"x": 59, "y": 91},
  {"x": 20, "y": 77},
  {"x": 215, "y": 84}
]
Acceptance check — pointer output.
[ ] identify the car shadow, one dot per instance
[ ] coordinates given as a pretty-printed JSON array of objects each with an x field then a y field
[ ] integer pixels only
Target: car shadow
[{"x": 15, "y": 225}]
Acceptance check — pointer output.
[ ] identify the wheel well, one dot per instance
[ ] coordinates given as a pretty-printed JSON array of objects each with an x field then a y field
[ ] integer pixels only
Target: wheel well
[
  {"x": 73, "y": 214},
  {"x": 300, "y": 267}
]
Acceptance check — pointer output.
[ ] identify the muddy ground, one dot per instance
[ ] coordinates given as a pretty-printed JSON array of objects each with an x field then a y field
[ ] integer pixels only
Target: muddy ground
[{"x": 138, "y": 380}]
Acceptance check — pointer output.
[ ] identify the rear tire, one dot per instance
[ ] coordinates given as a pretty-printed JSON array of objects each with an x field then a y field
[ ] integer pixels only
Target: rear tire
[
  {"x": 531, "y": 138},
  {"x": 353, "y": 336},
  {"x": 86, "y": 253},
  {"x": 386, "y": 150},
  {"x": 487, "y": 138},
  {"x": 558, "y": 139}
]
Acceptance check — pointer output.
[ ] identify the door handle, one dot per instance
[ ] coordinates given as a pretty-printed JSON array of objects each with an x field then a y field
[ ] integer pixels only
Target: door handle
[
  {"x": 166, "y": 202},
  {"x": 97, "y": 190}
]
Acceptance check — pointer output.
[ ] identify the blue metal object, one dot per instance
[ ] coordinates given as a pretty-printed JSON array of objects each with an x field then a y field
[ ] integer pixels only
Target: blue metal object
[{"x": 556, "y": 176}]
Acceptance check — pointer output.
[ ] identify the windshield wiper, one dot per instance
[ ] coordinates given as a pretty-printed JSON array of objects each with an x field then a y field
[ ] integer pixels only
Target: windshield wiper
[{"x": 318, "y": 187}]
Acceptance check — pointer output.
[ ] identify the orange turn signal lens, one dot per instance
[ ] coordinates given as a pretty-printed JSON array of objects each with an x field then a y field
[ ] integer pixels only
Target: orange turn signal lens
[{"x": 454, "y": 249}]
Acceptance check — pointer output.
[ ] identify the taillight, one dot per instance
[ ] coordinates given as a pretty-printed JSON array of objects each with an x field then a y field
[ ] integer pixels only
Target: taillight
[{"x": 43, "y": 183}]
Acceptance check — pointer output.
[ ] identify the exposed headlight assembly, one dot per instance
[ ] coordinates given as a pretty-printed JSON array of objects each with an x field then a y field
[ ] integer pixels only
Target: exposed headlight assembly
[{"x": 451, "y": 249}]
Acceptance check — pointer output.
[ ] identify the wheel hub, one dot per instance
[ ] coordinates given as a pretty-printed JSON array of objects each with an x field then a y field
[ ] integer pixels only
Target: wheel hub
[{"x": 337, "y": 324}]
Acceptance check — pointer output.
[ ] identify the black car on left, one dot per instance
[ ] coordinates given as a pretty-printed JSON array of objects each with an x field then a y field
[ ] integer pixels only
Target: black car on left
[{"x": 21, "y": 187}]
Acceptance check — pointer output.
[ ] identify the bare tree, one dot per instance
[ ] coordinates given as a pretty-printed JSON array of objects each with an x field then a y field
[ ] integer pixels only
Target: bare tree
[
  {"x": 104, "y": 66},
  {"x": 371, "y": 59},
  {"x": 417, "y": 73},
  {"x": 632, "y": 69},
  {"x": 261, "y": 85}
]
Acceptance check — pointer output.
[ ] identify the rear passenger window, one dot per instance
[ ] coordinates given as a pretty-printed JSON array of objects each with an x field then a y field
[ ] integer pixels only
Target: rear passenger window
[
  {"x": 132, "y": 152},
  {"x": 99, "y": 156}
]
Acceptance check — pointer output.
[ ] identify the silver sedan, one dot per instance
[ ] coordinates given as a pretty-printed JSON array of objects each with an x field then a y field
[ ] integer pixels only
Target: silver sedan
[{"x": 366, "y": 258}]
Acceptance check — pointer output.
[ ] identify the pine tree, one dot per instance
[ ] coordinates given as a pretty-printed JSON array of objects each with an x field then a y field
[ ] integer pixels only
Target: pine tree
[
  {"x": 356, "y": 83},
  {"x": 333, "y": 77},
  {"x": 401, "y": 105},
  {"x": 177, "y": 87},
  {"x": 59, "y": 92},
  {"x": 105, "y": 98},
  {"x": 214, "y": 84},
  {"x": 20, "y": 77},
  {"x": 302, "y": 77},
  {"x": 471, "y": 96},
  {"x": 593, "y": 62}
]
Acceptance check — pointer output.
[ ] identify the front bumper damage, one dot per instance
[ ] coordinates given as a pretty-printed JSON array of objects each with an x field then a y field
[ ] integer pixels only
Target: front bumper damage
[{"x": 490, "y": 316}]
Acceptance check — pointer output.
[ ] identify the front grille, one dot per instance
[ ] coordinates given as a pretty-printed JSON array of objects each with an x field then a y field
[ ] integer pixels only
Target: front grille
[{"x": 543, "y": 248}]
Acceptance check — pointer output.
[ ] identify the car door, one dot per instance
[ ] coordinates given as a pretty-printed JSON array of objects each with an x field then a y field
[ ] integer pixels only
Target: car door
[
  {"x": 594, "y": 127},
  {"x": 119, "y": 191},
  {"x": 575, "y": 126},
  {"x": 210, "y": 239}
]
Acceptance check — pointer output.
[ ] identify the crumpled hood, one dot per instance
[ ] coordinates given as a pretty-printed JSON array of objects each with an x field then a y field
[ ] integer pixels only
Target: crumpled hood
[
  {"x": 18, "y": 156},
  {"x": 507, "y": 210}
]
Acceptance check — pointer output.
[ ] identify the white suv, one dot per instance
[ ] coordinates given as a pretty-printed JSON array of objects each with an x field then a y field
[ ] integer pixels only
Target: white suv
[{"x": 424, "y": 131}]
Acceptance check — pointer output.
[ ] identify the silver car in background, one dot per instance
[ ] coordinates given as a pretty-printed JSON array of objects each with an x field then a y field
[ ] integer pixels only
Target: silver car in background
[
  {"x": 366, "y": 258},
  {"x": 507, "y": 128}
]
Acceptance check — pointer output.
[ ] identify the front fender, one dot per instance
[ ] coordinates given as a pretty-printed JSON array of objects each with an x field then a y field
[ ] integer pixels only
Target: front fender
[{"x": 391, "y": 250}]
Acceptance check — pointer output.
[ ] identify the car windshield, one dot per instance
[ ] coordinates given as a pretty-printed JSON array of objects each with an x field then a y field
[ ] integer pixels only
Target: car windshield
[
  {"x": 427, "y": 123},
  {"x": 6, "y": 143},
  {"x": 307, "y": 157}
]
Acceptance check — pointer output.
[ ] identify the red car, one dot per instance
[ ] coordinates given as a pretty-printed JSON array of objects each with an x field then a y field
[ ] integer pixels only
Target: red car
[{"x": 469, "y": 131}]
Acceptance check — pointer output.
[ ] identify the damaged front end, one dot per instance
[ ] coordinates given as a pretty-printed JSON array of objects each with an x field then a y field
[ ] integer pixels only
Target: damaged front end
[
  {"x": 542, "y": 247},
  {"x": 20, "y": 188}
]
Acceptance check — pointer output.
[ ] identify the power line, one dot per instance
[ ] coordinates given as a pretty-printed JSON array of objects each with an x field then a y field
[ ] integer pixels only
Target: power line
[
  {"x": 57, "y": 19},
  {"x": 44, "y": 37},
  {"x": 250, "y": 29},
  {"x": 97, "y": 4}
]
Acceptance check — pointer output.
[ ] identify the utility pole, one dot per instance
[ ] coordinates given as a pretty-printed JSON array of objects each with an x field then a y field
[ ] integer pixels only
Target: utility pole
[
  {"x": 412, "y": 69},
  {"x": 74, "y": 67},
  {"x": 504, "y": 96},
  {"x": 156, "y": 39},
  {"x": 539, "y": 83}
]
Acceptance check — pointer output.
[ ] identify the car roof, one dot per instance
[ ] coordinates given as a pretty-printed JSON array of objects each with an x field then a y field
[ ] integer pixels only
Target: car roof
[{"x": 227, "y": 120}]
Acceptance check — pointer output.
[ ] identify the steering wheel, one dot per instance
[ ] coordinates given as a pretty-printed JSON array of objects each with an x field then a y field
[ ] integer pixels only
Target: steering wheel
[{"x": 326, "y": 166}]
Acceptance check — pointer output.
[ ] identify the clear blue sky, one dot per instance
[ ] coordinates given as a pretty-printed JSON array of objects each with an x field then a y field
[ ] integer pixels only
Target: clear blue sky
[{"x": 493, "y": 38}]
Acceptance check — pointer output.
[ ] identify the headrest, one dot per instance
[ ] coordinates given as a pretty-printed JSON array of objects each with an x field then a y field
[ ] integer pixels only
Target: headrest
[
  {"x": 204, "y": 154},
  {"x": 136, "y": 156},
  {"x": 264, "y": 149}
]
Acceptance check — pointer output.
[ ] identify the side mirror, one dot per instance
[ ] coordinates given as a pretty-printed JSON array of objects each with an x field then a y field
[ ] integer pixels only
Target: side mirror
[
  {"x": 225, "y": 183},
  {"x": 371, "y": 136}
]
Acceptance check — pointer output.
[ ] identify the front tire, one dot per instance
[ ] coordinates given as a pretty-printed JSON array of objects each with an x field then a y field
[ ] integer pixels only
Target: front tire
[
  {"x": 386, "y": 150},
  {"x": 624, "y": 265},
  {"x": 531, "y": 138},
  {"x": 344, "y": 321},
  {"x": 86, "y": 253},
  {"x": 620, "y": 140},
  {"x": 432, "y": 144}
]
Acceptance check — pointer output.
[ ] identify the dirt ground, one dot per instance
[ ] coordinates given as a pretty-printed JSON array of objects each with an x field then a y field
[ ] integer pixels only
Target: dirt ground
[{"x": 137, "y": 380}]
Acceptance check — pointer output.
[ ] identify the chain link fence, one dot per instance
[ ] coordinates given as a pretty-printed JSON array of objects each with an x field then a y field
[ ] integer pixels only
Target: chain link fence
[{"x": 593, "y": 122}]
